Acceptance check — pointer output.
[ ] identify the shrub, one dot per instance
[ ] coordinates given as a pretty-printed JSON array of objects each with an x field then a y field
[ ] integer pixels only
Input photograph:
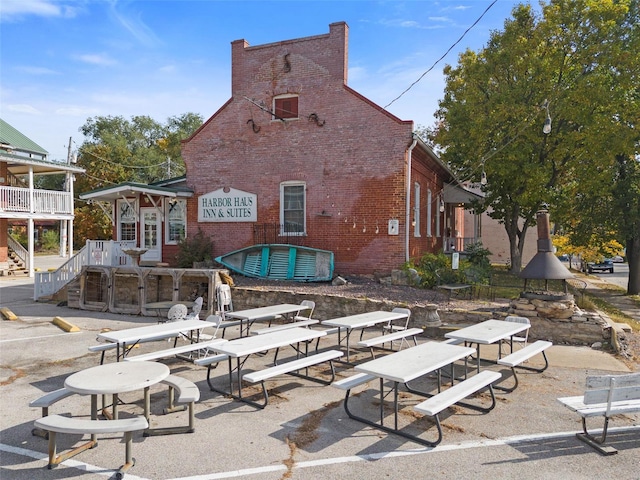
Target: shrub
[
  {"x": 435, "y": 269},
  {"x": 198, "y": 248},
  {"x": 50, "y": 240}
]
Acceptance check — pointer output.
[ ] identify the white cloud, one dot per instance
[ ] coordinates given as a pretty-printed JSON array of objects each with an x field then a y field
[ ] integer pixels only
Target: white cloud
[
  {"x": 75, "y": 111},
  {"x": 12, "y": 10},
  {"x": 31, "y": 70},
  {"x": 23, "y": 108},
  {"x": 133, "y": 23},
  {"x": 96, "y": 59}
]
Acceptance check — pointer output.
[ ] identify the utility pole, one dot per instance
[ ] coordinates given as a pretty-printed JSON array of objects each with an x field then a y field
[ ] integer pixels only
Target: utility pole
[{"x": 63, "y": 223}]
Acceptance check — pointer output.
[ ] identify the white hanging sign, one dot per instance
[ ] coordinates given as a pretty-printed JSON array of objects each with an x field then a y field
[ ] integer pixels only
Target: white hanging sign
[{"x": 228, "y": 205}]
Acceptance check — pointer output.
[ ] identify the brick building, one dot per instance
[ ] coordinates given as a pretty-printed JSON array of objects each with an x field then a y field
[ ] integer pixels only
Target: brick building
[
  {"x": 297, "y": 156},
  {"x": 321, "y": 165}
]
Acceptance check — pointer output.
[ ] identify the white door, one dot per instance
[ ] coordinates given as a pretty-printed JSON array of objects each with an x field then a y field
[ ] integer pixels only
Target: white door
[{"x": 151, "y": 232}]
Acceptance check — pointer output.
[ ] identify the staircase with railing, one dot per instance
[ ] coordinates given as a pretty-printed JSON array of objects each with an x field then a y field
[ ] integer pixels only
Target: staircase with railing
[
  {"x": 17, "y": 254},
  {"x": 96, "y": 252}
]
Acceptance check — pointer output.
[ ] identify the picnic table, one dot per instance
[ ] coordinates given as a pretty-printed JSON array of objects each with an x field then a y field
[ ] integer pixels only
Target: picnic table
[
  {"x": 161, "y": 308},
  {"x": 251, "y": 315},
  {"x": 401, "y": 368},
  {"x": 126, "y": 339},
  {"x": 241, "y": 348},
  {"x": 116, "y": 378},
  {"x": 361, "y": 321},
  {"x": 488, "y": 332}
]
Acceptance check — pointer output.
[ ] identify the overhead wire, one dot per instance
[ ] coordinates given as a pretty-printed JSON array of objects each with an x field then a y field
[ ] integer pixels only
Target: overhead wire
[{"x": 443, "y": 56}]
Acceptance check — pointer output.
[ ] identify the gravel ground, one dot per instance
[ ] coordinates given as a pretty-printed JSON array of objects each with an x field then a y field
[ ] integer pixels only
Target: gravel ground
[{"x": 369, "y": 287}]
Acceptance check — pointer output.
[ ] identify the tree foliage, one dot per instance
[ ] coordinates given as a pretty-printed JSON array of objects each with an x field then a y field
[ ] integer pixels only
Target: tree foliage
[
  {"x": 138, "y": 150},
  {"x": 117, "y": 150},
  {"x": 576, "y": 64}
]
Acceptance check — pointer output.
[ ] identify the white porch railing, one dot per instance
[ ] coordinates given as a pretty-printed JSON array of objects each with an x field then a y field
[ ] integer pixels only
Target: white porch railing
[
  {"x": 19, "y": 250},
  {"x": 48, "y": 283},
  {"x": 95, "y": 252},
  {"x": 17, "y": 200}
]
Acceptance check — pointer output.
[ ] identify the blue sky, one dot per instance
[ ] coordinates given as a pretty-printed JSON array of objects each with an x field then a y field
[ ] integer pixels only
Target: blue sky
[{"x": 63, "y": 61}]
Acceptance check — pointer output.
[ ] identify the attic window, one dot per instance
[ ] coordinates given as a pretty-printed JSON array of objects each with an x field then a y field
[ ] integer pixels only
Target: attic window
[{"x": 285, "y": 107}]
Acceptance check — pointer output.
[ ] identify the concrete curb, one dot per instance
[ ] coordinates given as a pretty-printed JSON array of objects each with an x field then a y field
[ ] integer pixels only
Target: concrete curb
[
  {"x": 8, "y": 314},
  {"x": 64, "y": 325}
]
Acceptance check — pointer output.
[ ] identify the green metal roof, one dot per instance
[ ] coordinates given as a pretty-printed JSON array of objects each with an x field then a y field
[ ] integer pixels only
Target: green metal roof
[{"x": 12, "y": 137}]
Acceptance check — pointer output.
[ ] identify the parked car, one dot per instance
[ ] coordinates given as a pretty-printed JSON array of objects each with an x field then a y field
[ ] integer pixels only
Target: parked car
[
  {"x": 617, "y": 259},
  {"x": 563, "y": 258},
  {"x": 604, "y": 266}
]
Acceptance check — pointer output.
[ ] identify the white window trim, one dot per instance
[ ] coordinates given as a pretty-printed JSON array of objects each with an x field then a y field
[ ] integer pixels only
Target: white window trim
[
  {"x": 133, "y": 205},
  {"x": 280, "y": 97},
  {"x": 416, "y": 210},
  {"x": 438, "y": 216},
  {"x": 293, "y": 183},
  {"x": 429, "y": 211},
  {"x": 167, "y": 222}
]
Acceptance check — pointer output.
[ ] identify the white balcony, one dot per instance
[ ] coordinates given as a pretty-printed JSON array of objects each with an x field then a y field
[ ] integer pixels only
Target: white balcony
[{"x": 18, "y": 202}]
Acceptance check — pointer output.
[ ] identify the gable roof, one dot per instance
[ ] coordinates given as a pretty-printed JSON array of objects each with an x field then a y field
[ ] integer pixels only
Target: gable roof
[{"x": 10, "y": 137}]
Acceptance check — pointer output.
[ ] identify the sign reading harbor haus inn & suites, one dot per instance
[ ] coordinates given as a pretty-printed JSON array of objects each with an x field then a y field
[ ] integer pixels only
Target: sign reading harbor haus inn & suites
[{"x": 228, "y": 205}]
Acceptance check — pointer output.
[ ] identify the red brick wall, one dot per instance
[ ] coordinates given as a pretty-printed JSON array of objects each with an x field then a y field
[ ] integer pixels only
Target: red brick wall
[{"x": 353, "y": 165}]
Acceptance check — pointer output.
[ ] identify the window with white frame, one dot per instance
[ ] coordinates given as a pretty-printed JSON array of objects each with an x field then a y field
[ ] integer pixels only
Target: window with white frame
[
  {"x": 438, "y": 216},
  {"x": 429, "y": 210},
  {"x": 416, "y": 212},
  {"x": 285, "y": 107},
  {"x": 176, "y": 221},
  {"x": 292, "y": 208},
  {"x": 126, "y": 221}
]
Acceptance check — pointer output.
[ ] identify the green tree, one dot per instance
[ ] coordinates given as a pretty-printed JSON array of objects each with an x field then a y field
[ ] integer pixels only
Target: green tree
[
  {"x": 117, "y": 150},
  {"x": 567, "y": 65}
]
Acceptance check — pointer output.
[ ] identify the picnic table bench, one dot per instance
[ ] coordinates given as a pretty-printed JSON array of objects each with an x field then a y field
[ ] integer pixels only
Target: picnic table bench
[
  {"x": 605, "y": 396},
  {"x": 202, "y": 348},
  {"x": 457, "y": 289},
  {"x": 184, "y": 392},
  {"x": 58, "y": 424},
  {"x": 517, "y": 358},
  {"x": 454, "y": 394},
  {"x": 291, "y": 367},
  {"x": 401, "y": 335}
]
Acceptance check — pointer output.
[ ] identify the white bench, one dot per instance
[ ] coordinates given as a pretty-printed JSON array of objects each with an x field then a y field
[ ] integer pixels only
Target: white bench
[
  {"x": 279, "y": 328},
  {"x": 517, "y": 358},
  {"x": 58, "y": 424},
  {"x": 401, "y": 335},
  {"x": 454, "y": 394},
  {"x": 181, "y": 391},
  {"x": 291, "y": 367},
  {"x": 605, "y": 396},
  {"x": 45, "y": 402},
  {"x": 353, "y": 381},
  {"x": 103, "y": 347},
  {"x": 171, "y": 352}
]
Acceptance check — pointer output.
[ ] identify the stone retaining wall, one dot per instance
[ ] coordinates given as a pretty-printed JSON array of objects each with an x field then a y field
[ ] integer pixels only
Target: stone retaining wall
[{"x": 584, "y": 329}]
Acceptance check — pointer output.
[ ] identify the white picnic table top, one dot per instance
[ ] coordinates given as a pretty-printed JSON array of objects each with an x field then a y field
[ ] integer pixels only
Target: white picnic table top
[
  {"x": 362, "y": 320},
  {"x": 414, "y": 362},
  {"x": 117, "y": 377},
  {"x": 266, "y": 312},
  {"x": 487, "y": 332},
  {"x": 137, "y": 334},
  {"x": 244, "y": 346}
]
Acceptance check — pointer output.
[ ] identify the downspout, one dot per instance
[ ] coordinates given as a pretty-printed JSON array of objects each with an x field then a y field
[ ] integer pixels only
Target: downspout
[{"x": 407, "y": 220}]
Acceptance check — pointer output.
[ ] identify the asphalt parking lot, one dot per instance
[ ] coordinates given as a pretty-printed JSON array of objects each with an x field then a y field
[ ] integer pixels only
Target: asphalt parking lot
[{"x": 304, "y": 432}]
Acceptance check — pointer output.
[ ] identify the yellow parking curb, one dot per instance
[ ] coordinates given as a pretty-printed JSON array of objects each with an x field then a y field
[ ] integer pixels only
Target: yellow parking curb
[
  {"x": 8, "y": 314},
  {"x": 64, "y": 325}
]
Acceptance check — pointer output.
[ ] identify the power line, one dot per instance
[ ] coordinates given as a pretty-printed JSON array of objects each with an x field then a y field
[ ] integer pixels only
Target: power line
[{"x": 442, "y": 57}]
